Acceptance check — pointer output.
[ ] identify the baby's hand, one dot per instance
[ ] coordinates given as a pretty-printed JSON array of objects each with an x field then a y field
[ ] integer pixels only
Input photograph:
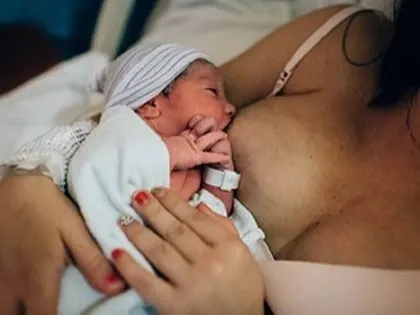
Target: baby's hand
[
  {"x": 185, "y": 152},
  {"x": 205, "y": 128},
  {"x": 223, "y": 147},
  {"x": 199, "y": 126}
]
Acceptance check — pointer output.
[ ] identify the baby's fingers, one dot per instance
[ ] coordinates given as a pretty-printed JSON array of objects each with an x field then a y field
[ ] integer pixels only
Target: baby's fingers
[
  {"x": 194, "y": 121},
  {"x": 214, "y": 158},
  {"x": 203, "y": 126},
  {"x": 208, "y": 140}
]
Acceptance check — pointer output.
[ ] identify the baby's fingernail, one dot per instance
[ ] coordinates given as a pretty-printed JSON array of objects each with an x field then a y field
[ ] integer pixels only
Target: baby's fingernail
[
  {"x": 125, "y": 220},
  {"x": 116, "y": 253},
  {"x": 159, "y": 192},
  {"x": 141, "y": 198}
]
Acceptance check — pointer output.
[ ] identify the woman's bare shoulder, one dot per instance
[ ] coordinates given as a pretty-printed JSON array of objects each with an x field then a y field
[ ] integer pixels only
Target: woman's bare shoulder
[{"x": 344, "y": 60}]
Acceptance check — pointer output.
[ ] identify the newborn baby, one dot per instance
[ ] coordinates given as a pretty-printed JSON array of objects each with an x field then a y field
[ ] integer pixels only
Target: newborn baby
[
  {"x": 179, "y": 94},
  {"x": 190, "y": 114}
]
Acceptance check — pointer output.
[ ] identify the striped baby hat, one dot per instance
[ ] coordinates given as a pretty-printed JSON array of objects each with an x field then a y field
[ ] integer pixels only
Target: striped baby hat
[{"x": 142, "y": 72}]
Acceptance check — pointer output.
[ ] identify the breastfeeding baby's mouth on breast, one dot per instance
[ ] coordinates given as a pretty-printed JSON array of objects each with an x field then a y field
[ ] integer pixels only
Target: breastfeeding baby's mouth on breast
[{"x": 225, "y": 124}]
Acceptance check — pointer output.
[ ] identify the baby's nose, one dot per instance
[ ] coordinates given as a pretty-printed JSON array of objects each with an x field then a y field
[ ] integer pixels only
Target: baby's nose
[{"x": 230, "y": 109}]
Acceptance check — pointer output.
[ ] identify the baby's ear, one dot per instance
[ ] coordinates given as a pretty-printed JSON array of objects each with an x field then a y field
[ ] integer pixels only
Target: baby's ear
[{"x": 149, "y": 110}]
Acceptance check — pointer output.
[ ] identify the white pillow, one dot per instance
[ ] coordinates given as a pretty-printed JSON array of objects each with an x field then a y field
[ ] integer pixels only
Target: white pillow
[
  {"x": 225, "y": 28},
  {"x": 305, "y": 6},
  {"x": 385, "y": 6},
  {"x": 222, "y": 29}
]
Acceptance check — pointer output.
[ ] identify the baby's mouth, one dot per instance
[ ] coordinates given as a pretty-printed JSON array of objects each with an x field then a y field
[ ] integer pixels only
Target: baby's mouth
[{"x": 225, "y": 123}]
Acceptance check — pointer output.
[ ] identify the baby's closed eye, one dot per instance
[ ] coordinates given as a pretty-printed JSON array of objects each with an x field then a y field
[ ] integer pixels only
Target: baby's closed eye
[{"x": 214, "y": 91}]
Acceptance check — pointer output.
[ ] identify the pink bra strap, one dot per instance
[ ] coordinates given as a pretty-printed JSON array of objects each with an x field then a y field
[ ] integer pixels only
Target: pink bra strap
[{"x": 309, "y": 44}]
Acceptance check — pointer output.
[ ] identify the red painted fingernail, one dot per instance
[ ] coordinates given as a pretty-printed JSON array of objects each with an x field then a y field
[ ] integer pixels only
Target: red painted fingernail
[
  {"x": 141, "y": 198},
  {"x": 116, "y": 253},
  {"x": 112, "y": 278}
]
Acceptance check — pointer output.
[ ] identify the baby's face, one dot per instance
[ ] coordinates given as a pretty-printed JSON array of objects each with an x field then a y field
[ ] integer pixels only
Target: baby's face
[{"x": 199, "y": 92}]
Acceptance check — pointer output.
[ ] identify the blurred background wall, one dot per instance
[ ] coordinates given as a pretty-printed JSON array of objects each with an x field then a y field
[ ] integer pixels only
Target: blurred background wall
[
  {"x": 69, "y": 24},
  {"x": 37, "y": 34}
]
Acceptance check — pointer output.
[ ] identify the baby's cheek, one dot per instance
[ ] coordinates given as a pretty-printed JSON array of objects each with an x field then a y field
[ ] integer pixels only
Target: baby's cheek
[
  {"x": 215, "y": 109},
  {"x": 220, "y": 116}
]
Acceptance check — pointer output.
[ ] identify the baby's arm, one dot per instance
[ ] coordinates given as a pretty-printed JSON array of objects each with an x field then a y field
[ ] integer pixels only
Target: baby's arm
[
  {"x": 186, "y": 183},
  {"x": 226, "y": 196},
  {"x": 205, "y": 130},
  {"x": 185, "y": 154}
]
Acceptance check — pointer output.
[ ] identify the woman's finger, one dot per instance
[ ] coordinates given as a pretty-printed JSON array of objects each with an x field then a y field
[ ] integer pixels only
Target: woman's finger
[
  {"x": 42, "y": 296},
  {"x": 8, "y": 302},
  {"x": 168, "y": 226},
  {"x": 160, "y": 253},
  {"x": 153, "y": 289},
  {"x": 209, "y": 230},
  {"x": 218, "y": 218},
  {"x": 87, "y": 255}
]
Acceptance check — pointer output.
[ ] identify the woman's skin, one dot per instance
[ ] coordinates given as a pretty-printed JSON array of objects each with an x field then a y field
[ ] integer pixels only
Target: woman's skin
[
  {"x": 327, "y": 178},
  {"x": 40, "y": 228}
]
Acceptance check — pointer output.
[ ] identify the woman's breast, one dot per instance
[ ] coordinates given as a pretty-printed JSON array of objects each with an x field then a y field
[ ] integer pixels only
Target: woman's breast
[
  {"x": 291, "y": 176},
  {"x": 320, "y": 194}
]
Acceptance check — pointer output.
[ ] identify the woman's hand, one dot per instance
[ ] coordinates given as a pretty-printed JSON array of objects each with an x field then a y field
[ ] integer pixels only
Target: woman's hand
[
  {"x": 208, "y": 269},
  {"x": 38, "y": 225}
]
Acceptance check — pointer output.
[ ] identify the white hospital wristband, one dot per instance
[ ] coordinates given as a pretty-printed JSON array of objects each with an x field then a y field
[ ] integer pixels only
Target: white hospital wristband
[{"x": 225, "y": 180}]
